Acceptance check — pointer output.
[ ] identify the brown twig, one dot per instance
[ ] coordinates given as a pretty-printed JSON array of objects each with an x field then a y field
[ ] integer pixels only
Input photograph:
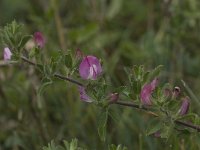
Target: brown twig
[
  {"x": 68, "y": 79},
  {"x": 189, "y": 125}
]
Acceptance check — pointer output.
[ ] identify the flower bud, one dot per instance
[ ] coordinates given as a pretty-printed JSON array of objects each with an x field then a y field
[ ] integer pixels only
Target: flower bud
[
  {"x": 176, "y": 92},
  {"x": 90, "y": 68},
  {"x": 39, "y": 39},
  {"x": 146, "y": 92},
  {"x": 113, "y": 97},
  {"x": 83, "y": 96},
  {"x": 7, "y": 54},
  {"x": 185, "y": 106}
]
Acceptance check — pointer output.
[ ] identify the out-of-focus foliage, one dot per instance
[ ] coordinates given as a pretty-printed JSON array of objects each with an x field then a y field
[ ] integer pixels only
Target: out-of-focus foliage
[
  {"x": 122, "y": 33},
  {"x": 73, "y": 145}
]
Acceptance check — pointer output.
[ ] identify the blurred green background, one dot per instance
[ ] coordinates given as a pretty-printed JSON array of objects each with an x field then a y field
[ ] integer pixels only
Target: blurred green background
[{"x": 121, "y": 33}]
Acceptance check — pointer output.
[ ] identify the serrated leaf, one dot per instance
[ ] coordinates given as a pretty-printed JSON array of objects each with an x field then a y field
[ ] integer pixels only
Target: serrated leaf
[
  {"x": 140, "y": 73},
  {"x": 136, "y": 87},
  {"x": 74, "y": 144},
  {"x": 154, "y": 73},
  {"x": 102, "y": 124},
  {"x": 68, "y": 60},
  {"x": 136, "y": 71},
  {"x": 119, "y": 147},
  {"x": 145, "y": 77},
  {"x": 66, "y": 144}
]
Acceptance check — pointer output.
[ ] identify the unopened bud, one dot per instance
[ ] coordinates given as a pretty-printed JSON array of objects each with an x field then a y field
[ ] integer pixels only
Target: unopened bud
[
  {"x": 146, "y": 92},
  {"x": 176, "y": 92},
  {"x": 113, "y": 97},
  {"x": 185, "y": 106},
  {"x": 39, "y": 39}
]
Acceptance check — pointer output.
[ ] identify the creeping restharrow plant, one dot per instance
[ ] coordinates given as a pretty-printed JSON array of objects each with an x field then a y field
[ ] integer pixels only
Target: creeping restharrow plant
[{"x": 169, "y": 106}]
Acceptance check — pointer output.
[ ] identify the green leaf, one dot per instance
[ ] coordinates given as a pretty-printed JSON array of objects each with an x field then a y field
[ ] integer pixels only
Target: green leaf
[
  {"x": 40, "y": 68},
  {"x": 189, "y": 117},
  {"x": 68, "y": 60},
  {"x": 23, "y": 41},
  {"x": 136, "y": 71},
  {"x": 153, "y": 126},
  {"x": 140, "y": 73},
  {"x": 114, "y": 147},
  {"x": 155, "y": 73},
  {"x": 128, "y": 73},
  {"x": 45, "y": 82},
  {"x": 33, "y": 52},
  {"x": 145, "y": 77},
  {"x": 53, "y": 146},
  {"x": 47, "y": 70},
  {"x": 102, "y": 123},
  {"x": 73, "y": 145},
  {"x": 166, "y": 130}
]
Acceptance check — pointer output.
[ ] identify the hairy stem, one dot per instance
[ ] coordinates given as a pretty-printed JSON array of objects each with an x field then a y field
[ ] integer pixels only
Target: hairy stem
[
  {"x": 128, "y": 104},
  {"x": 55, "y": 75}
]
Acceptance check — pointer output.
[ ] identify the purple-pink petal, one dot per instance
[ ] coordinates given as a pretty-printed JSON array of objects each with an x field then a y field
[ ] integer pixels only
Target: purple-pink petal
[
  {"x": 83, "y": 96},
  {"x": 7, "y": 54},
  {"x": 154, "y": 84},
  {"x": 39, "y": 39},
  {"x": 146, "y": 92},
  {"x": 90, "y": 68},
  {"x": 185, "y": 106}
]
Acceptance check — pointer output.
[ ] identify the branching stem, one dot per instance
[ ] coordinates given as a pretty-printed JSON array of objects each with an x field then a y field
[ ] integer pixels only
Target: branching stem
[{"x": 123, "y": 103}]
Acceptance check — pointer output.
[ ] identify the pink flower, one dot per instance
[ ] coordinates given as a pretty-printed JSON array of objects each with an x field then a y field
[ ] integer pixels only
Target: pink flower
[
  {"x": 84, "y": 97},
  {"x": 90, "y": 68},
  {"x": 146, "y": 92},
  {"x": 39, "y": 39},
  {"x": 185, "y": 106},
  {"x": 7, "y": 54}
]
